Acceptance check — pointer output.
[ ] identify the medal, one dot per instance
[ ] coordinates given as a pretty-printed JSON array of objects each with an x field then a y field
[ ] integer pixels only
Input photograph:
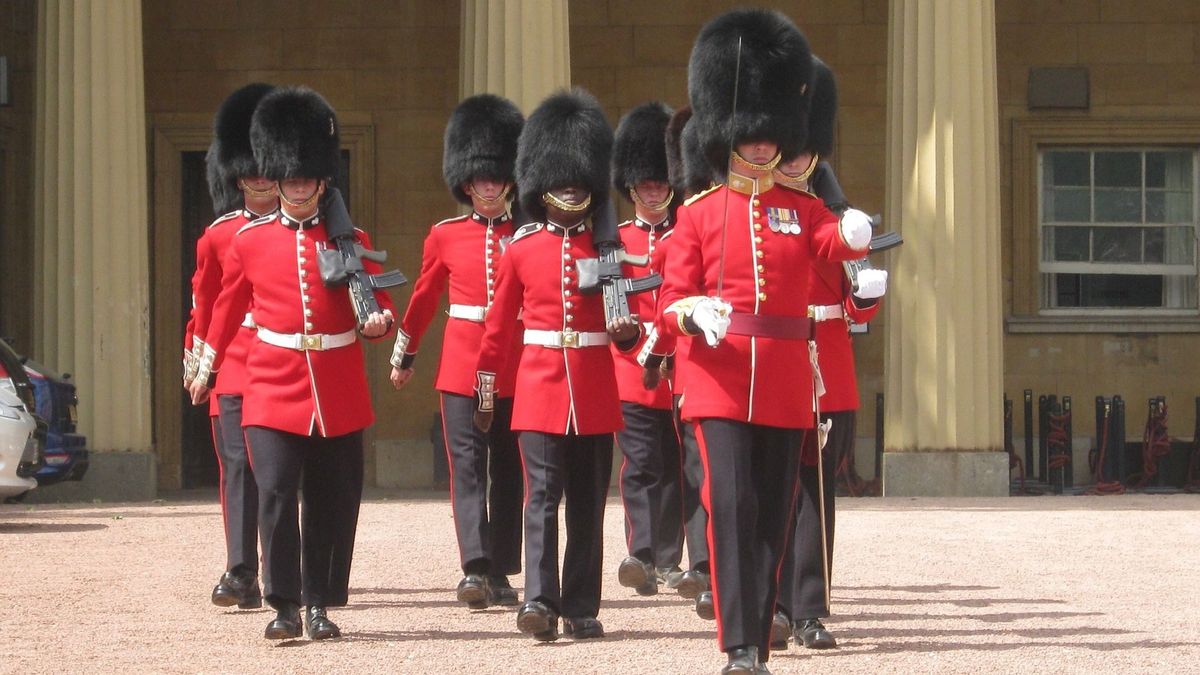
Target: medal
[{"x": 783, "y": 221}]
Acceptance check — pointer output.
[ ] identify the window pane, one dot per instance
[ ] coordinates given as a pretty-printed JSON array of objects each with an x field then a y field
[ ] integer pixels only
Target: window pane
[
  {"x": 1178, "y": 207},
  {"x": 1108, "y": 290},
  {"x": 1118, "y": 206},
  {"x": 1067, "y": 244},
  {"x": 1179, "y": 245},
  {"x": 1067, "y": 205},
  {"x": 1067, "y": 168},
  {"x": 1156, "y": 207},
  {"x": 1117, "y": 244},
  {"x": 1155, "y": 240},
  {"x": 1119, "y": 169},
  {"x": 1169, "y": 170}
]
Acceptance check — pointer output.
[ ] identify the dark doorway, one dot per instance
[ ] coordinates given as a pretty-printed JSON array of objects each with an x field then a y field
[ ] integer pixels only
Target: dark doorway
[{"x": 198, "y": 459}]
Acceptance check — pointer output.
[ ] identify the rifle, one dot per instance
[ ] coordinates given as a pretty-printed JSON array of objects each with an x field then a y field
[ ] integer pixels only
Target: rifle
[
  {"x": 603, "y": 274},
  {"x": 343, "y": 265}
]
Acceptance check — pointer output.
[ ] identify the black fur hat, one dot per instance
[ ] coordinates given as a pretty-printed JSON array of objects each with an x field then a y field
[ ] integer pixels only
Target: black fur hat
[
  {"x": 566, "y": 141},
  {"x": 686, "y": 165},
  {"x": 822, "y": 111},
  {"x": 295, "y": 135},
  {"x": 639, "y": 147},
  {"x": 229, "y": 155},
  {"x": 481, "y": 140},
  {"x": 772, "y": 87}
]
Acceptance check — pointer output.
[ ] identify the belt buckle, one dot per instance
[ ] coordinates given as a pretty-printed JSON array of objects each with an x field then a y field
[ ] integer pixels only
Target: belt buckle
[
  {"x": 310, "y": 342},
  {"x": 570, "y": 338}
]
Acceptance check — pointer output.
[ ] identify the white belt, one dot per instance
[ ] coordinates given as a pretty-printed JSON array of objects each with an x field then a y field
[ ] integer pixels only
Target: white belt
[
  {"x": 564, "y": 338},
  {"x": 825, "y": 312},
  {"x": 301, "y": 342},
  {"x": 248, "y": 322},
  {"x": 469, "y": 312}
]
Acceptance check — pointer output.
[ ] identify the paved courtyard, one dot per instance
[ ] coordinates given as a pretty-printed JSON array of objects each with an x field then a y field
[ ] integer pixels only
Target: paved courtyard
[{"x": 1036, "y": 584}]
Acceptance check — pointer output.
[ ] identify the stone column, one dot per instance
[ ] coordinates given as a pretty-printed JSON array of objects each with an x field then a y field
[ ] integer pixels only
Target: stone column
[
  {"x": 91, "y": 226},
  {"x": 519, "y": 49},
  {"x": 943, "y": 362}
]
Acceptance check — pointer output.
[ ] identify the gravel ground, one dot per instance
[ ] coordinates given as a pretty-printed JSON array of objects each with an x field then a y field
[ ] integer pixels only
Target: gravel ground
[{"x": 1038, "y": 584}]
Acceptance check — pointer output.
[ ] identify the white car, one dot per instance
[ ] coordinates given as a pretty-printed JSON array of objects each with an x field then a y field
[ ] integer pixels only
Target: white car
[{"x": 17, "y": 445}]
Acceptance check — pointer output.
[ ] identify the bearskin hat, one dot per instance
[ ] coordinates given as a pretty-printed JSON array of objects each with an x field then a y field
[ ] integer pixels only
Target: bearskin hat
[
  {"x": 566, "y": 141},
  {"x": 686, "y": 166},
  {"x": 229, "y": 155},
  {"x": 822, "y": 112},
  {"x": 481, "y": 140},
  {"x": 294, "y": 134},
  {"x": 639, "y": 147},
  {"x": 772, "y": 85}
]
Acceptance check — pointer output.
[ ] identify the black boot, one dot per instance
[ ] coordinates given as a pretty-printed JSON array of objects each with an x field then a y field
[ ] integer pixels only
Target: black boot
[
  {"x": 237, "y": 589},
  {"x": 536, "y": 619},
  {"x": 319, "y": 625},
  {"x": 704, "y": 606},
  {"x": 813, "y": 634},
  {"x": 638, "y": 575},
  {"x": 286, "y": 624},
  {"x": 502, "y": 592},
  {"x": 781, "y": 630},
  {"x": 742, "y": 661},
  {"x": 473, "y": 590}
]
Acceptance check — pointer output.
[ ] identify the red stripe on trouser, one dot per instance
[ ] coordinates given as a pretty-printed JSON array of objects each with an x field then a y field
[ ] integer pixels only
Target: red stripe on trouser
[
  {"x": 214, "y": 422},
  {"x": 706, "y": 500},
  {"x": 450, "y": 464}
]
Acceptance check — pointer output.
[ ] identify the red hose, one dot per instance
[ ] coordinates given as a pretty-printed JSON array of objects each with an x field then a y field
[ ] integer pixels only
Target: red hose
[
  {"x": 1096, "y": 460},
  {"x": 1156, "y": 444}
]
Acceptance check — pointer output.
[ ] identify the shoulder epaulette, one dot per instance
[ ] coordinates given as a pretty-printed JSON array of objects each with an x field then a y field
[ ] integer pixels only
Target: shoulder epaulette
[
  {"x": 526, "y": 230},
  {"x": 228, "y": 216},
  {"x": 700, "y": 195},
  {"x": 255, "y": 223},
  {"x": 667, "y": 235},
  {"x": 449, "y": 220},
  {"x": 625, "y": 224}
]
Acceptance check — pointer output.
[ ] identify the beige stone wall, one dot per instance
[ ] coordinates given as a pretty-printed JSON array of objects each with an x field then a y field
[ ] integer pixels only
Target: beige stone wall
[
  {"x": 1143, "y": 61},
  {"x": 18, "y": 42},
  {"x": 628, "y": 52}
]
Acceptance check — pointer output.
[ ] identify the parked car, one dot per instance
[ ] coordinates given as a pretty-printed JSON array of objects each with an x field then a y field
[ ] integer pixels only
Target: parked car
[
  {"x": 20, "y": 449},
  {"x": 56, "y": 402}
]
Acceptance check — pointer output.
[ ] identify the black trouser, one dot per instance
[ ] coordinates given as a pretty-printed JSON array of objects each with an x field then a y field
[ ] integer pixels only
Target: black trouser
[
  {"x": 239, "y": 492},
  {"x": 804, "y": 579},
  {"x": 579, "y": 468},
  {"x": 487, "y": 522},
  {"x": 328, "y": 472},
  {"x": 644, "y": 441},
  {"x": 750, "y": 509},
  {"x": 695, "y": 518}
]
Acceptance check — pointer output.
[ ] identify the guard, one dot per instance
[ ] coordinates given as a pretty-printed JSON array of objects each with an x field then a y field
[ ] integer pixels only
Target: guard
[
  {"x": 566, "y": 406},
  {"x": 805, "y": 578},
  {"x": 306, "y": 398},
  {"x": 737, "y": 274},
  {"x": 241, "y": 194},
  {"x": 464, "y": 253}
]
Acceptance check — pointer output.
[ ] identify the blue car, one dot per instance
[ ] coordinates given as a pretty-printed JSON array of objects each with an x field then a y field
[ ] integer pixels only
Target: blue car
[{"x": 56, "y": 402}]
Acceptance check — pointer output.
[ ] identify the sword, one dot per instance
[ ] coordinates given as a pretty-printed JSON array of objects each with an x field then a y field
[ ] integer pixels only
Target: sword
[{"x": 737, "y": 76}]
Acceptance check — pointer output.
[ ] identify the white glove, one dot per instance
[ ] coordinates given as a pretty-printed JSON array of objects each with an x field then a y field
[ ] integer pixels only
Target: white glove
[
  {"x": 711, "y": 315},
  {"x": 856, "y": 229},
  {"x": 871, "y": 284}
]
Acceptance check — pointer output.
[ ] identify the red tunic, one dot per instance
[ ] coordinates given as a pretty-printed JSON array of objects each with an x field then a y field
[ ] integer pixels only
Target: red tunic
[
  {"x": 759, "y": 380},
  {"x": 463, "y": 253},
  {"x": 640, "y": 238},
  {"x": 558, "y": 390},
  {"x": 272, "y": 268},
  {"x": 206, "y": 286},
  {"x": 829, "y": 286}
]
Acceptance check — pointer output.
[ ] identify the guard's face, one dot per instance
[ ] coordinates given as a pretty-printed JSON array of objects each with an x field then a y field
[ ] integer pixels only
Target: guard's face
[
  {"x": 652, "y": 191},
  {"x": 758, "y": 152},
  {"x": 299, "y": 189},
  {"x": 572, "y": 194},
  {"x": 797, "y": 166},
  {"x": 258, "y": 183},
  {"x": 488, "y": 188}
]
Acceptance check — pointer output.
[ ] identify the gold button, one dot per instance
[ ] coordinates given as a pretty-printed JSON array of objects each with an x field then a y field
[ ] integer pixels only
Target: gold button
[
  {"x": 303, "y": 260},
  {"x": 304, "y": 285},
  {"x": 566, "y": 256},
  {"x": 758, "y": 227},
  {"x": 568, "y": 304},
  {"x": 758, "y": 240},
  {"x": 307, "y": 311},
  {"x": 760, "y": 254},
  {"x": 755, "y": 202},
  {"x": 761, "y": 269},
  {"x": 300, "y": 248},
  {"x": 567, "y": 292},
  {"x": 308, "y": 326},
  {"x": 305, "y": 298},
  {"x": 762, "y": 282},
  {"x": 762, "y": 297},
  {"x": 570, "y": 317},
  {"x": 757, "y": 213},
  {"x": 566, "y": 280},
  {"x": 491, "y": 282},
  {"x": 566, "y": 243},
  {"x": 567, "y": 268}
]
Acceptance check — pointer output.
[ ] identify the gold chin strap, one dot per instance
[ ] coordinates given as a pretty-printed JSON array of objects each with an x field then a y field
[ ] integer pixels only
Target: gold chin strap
[
  {"x": 307, "y": 203},
  {"x": 272, "y": 191},
  {"x": 503, "y": 194},
  {"x": 799, "y": 181},
  {"x": 551, "y": 200},
  {"x": 661, "y": 206},
  {"x": 744, "y": 167}
]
